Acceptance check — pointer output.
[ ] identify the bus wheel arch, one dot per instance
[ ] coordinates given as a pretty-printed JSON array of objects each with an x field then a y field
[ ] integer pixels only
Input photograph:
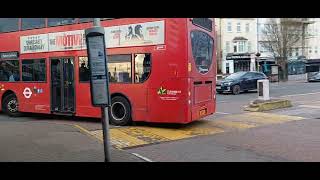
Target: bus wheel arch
[
  {"x": 120, "y": 113},
  {"x": 9, "y": 103}
]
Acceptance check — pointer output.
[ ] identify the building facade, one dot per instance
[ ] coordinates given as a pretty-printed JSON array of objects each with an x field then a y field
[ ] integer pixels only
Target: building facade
[
  {"x": 313, "y": 39},
  {"x": 236, "y": 44},
  {"x": 239, "y": 39}
]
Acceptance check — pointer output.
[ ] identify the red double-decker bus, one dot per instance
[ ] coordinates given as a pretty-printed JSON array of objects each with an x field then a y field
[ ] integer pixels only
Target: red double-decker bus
[{"x": 160, "y": 69}]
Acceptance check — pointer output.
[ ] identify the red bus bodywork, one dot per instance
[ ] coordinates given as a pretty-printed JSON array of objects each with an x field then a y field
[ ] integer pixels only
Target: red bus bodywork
[{"x": 190, "y": 95}]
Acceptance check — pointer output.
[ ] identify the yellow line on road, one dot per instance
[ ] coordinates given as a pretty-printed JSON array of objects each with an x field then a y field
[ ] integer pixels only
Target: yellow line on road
[{"x": 87, "y": 132}]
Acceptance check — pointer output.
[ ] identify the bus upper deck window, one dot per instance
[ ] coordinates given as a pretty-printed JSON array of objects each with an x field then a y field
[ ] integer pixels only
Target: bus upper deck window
[{"x": 60, "y": 21}]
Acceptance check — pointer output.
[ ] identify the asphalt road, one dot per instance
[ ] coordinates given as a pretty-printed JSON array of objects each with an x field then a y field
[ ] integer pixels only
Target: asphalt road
[
  {"x": 231, "y": 104},
  {"x": 51, "y": 139},
  {"x": 290, "y": 141}
]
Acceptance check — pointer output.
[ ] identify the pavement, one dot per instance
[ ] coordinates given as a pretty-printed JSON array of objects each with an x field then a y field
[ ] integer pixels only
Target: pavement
[
  {"x": 29, "y": 140},
  {"x": 289, "y": 134}
]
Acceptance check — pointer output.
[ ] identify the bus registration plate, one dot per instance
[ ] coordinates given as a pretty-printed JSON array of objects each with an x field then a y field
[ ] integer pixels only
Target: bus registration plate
[{"x": 203, "y": 112}]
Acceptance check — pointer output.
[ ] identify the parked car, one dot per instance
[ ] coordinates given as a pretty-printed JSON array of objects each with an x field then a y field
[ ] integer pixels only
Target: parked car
[
  {"x": 239, "y": 82},
  {"x": 314, "y": 78}
]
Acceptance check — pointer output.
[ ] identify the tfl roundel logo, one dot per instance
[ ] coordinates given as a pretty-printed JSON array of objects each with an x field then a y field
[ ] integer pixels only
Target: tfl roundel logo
[{"x": 27, "y": 92}]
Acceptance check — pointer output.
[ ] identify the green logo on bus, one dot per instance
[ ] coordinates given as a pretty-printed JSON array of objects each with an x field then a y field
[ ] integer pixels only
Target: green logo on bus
[{"x": 162, "y": 91}]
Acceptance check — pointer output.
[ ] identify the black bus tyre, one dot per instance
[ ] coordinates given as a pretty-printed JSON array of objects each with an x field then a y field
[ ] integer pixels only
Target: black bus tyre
[
  {"x": 120, "y": 111},
  {"x": 236, "y": 89},
  {"x": 11, "y": 106}
]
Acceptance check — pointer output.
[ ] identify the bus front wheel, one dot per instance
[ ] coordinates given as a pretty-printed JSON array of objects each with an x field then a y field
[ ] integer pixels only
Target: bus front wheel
[
  {"x": 10, "y": 105},
  {"x": 120, "y": 111}
]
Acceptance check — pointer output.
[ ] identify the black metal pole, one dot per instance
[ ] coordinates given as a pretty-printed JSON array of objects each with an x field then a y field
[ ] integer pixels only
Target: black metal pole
[{"x": 105, "y": 131}]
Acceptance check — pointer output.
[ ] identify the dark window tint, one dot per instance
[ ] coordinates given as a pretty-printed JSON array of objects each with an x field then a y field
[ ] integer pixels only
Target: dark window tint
[
  {"x": 84, "y": 20},
  {"x": 312, "y": 68},
  {"x": 235, "y": 75},
  {"x": 202, "y": 50},
  {"x": 32, "y": 23},
  {"x": 247, "y": 75},
  {"x": 33, "y": 70},
  {"x": 9, "y": 24},
  {"x": 60, "y": 21},
  {"x": 205, "y": 23},
  {"x": 259, "y": 75},
  {"x": 241, "y": 66},
  {"x": 119, "y": 68},
  {"x": 9, "y": 70},
  {"x": 83, "y": 69},
  {"x": 142, "y": 67}
]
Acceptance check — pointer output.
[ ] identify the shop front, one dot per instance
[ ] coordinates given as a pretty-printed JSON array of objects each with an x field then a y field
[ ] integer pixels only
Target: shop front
[{"x": 236, "y": 62}]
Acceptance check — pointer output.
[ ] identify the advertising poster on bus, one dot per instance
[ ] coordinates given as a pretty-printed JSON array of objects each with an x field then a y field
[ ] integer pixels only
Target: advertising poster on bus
[
  {"x": 34, "y": 43},
  {"x": 142, "y": 34},
  {"x": 68, "y": 40},
  {"x": 112, "y": 36}
]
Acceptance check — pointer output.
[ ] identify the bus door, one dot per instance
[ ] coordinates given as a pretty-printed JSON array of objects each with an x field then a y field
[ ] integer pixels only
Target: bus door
[{"x": 62, "y": 85}]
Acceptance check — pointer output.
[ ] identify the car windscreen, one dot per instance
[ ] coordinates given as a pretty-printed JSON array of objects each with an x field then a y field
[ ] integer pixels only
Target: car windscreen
[{"x": 235, "y": 75}]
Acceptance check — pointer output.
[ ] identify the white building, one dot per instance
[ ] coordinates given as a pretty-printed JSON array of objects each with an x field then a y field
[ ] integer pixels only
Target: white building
[
  {"x": 239, "y": 39},
  {"x": 236, "y": 43},
  {"x": 313, "y": 39}
]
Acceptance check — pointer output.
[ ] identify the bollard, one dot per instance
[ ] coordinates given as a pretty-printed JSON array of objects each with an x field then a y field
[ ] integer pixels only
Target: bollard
[{"x": 263, "y": 89}]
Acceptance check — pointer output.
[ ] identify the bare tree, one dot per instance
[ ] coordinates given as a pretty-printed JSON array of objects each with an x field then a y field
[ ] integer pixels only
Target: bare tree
[{"x": 279, "y": 36}]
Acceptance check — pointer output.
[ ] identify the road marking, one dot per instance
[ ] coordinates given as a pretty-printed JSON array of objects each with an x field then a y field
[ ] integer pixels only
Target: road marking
[
  {"x": 222, "y": 101},
  {"x": 222, "y": 113},
  {"x": 86, "y": 131},
  {"x": 306, "y": 101},
  {"x": 310, "y": 106},
  {"x": 301, "y": 94},
  {"x": 142, "y": 157}
]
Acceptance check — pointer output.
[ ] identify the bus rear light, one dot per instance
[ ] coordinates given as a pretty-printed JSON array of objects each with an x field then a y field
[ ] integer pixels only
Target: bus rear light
[
  {"x": 189, "y": 93},
  {"x": 189, "y": 101},
  {"x": 189, "y": 67}
]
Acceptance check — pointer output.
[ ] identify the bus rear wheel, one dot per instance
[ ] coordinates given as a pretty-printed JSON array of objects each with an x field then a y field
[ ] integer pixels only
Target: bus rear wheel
[
  {"x": 120, "y": 111},
  {"x": 11, "y": 106}
]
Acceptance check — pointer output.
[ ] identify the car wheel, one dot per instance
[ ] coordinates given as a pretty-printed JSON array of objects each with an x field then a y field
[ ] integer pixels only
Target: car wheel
[
  {"x": 11, "y": 106},
  {"x": 236, "y": 89},
  {"x": 120, "y": 111}
]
